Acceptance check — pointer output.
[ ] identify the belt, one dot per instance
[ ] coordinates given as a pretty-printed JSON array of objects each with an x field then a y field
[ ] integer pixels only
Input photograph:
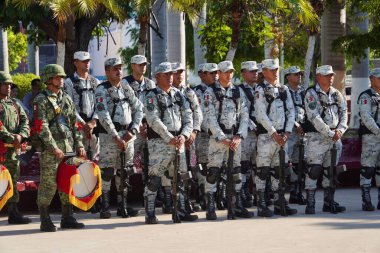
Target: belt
[{"x": 151, "y": 134}]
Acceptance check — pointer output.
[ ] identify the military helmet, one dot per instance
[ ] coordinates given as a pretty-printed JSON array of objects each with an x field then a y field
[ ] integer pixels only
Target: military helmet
[
  {"x": 5, "y": 77},
  {"x": 52, "y": 70}
]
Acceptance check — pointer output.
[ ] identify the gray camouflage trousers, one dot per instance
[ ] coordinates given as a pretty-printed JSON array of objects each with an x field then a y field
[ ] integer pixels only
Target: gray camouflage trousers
[
  {"x": 217, "y": 154},
  {"x": 201, "y": 151},
  {"x": 317, "y": 151},
  {"x": 268, "y": 156},
  {"x": 293, "y": 151},
  {"x": 248, "y": 152},
  {"x": 370, "y": 157},
  {"x": 109, "y": 157}
]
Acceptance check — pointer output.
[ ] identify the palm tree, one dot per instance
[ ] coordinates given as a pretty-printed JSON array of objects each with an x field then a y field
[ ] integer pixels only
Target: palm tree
[
  {"x": 199, "y": 50},
  {"x": 4, "y": 65},
  {"x": 33, "y": 54}
]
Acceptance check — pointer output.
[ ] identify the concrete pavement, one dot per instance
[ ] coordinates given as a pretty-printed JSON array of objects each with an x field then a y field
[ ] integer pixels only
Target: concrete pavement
[{"x": 352, "y": 231}]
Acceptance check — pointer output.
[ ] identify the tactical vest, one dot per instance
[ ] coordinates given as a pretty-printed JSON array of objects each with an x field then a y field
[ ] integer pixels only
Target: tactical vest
[
  {"x": 79, "y": 91},
  {"x": 283, "y": 96},
  {"x": 130, "y": 79},
  {"x": 302, "y": 105},
  {"x": 362, "y": 128},
  {"x": 251, "y": 98},
  {"x": 200, "y": 87},
  {"x": 57, "y": 119},
  {"x": 308, "y": 126},
  {"x": 179, "y": 100}
]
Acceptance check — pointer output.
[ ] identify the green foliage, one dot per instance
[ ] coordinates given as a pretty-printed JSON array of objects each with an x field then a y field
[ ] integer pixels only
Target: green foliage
[
  {"x": 23, "y": 83},
  {"x": 127, "y": 53},
  {"x": 17, "y": 48}
]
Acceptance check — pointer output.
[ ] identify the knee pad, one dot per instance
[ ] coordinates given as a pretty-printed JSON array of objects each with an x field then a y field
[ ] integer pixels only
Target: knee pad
[
  {"x": 153, "y": 183},
  {"x": 314, "y": 171},
  {"x": 212, "y": 175},
  {"x": 236, "y": 173},
  {"x": 204, "y": 169},
  {"x": 377, "y": 171},
  {"x": 263, "y": 172},
  {"x": 367, "y": 172},
  {"x": 245, "y": 166},
  {"x": 107, "y": 174}
]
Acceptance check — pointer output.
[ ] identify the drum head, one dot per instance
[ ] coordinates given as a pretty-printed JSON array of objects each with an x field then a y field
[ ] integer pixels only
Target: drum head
[
  {"x": 4, "y": 184},
  {"x": 88, "y": 181}
]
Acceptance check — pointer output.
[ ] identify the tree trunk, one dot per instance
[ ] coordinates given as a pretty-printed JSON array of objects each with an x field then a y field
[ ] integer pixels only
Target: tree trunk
[
  {"x": 158, "y": 45},
  {"x": 176, "y": 41},
  {"x": 360, "y": 70},
  {"x": 143, "y": 32},
  {"x": 236, "y": 21},
  {"x": 309, "y": 58},
  {"x": 334, "y": 26},
  {"x": 4, "y": 62},
  {"x": 33, "y": 55},
  {"x": 61, "y": 40},
  {"x": 199, "y": 50}
]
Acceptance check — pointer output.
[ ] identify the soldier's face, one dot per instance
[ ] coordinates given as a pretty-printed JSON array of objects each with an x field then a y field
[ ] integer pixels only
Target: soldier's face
[
  {"x": 114, "y": 73},
  {"x": 271, "y": 75},
  {"x": 326, "y": 80},
  {"x": 139, "y": 69},
  {"x": 178, "y": 77},
  {"x": 375, "y": 83},
  {"x": 226, "y": 77},
  {"x": 82, "y": 66},
  {"x": 5, "y": 89},
  {"x": 164, "y": 78},
  {"x": 294, "y": 79},
  {"x": 210, "y": 77},
  {"x": 250, "y": 76},
  {"x": 57, "y": 82}
]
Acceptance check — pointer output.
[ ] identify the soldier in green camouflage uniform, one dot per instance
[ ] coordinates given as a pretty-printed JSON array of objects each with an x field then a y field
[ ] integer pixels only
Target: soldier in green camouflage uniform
[
  {"x": 14, "y": 129},
  {"x": 54, "y": 123}
]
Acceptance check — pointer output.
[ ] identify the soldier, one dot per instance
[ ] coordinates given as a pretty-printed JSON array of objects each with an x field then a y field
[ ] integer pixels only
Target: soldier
[
  {"x": 140, "y": 85},
  {"x": 54, "y": 123},
  {"x": 14, "y": 129},
  {"x": 170, "y": 123},
  {"x": 326, "y": 111},
  {"x": 370, "y": 132},
  {"x": 275, "y": 116},
  {"x": 178, "y": 82},
  {"x": 293, "y": 76},
  {"x": 248, "y": 145},
  {"x": 120, "y": 114},
  {"x": 81, "y": 86},
  {"x": 227, "y": 117},
  {"x": 208, "y": 77}
]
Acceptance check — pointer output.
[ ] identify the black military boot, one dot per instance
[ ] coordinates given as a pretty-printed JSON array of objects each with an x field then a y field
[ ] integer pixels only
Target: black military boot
[
  {"x": 68, "y": 220},
  {"x": 105, "y": 211},
  {"x": 150, "y": 212},
  {"x": 210, "y": 206},
  {"x": 202, "y": 196},
  {"x": 160, "y": 196},
  {"x": 97, "y": 206},
  {"x": 123, "y": 210},
  {"x": 296, "y": 196},
  {"x": 277, "y": 206},
  {"x": 184, "y": 214},
  {"x": 221, "y": 195},
  {"x": 240, "y": 211},
  {"x": 246, "y": 196},
  {"x": 268, "y": 193},
  {"x": 366, "y": 198},
  {"x": 167, "y": 204},
  {"x": 378, "y": 197},
  {"x": 46, "y": 223},
  {"x": 262, "y": 208},
  {"x": 310, "y": 202},
  {"x": 14, "y": 215},
  {"x": 329, "y": 204}
]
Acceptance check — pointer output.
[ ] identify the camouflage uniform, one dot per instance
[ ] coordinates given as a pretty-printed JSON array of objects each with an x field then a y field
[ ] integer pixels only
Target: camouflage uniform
[
  {"x": 54, "y": 122},
  {"x": 119, "y": 112},
  {"x": 368, "y": 102},
  {"x": 13, "y": 120},
  {"x": 274, "y": 114},
  {"x": 168, "y": 114},
  {"x": 82, "y": 92},
  {"x": 226, "y": 115},
  {"x": 326, "y": 112}
]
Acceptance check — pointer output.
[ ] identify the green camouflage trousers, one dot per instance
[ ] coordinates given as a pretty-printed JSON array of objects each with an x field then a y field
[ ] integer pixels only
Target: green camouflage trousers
[{"x": 13, "y": 166}]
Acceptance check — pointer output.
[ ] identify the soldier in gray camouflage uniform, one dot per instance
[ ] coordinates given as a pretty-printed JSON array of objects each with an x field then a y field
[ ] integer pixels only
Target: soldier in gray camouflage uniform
[
  {"x": 178, "y": 82},
  {"x": 227, "y": 118},
  {"x": 54, "y": 122},
  {"x": 140, "y": 85},
  {"x": 14, "y": 129},
  {"x": 120, "y": 114},
  {"x": 275, "y": 116},
  {"x": 369, "y": 111},
  {"x": 208, "y": 77},
  {"x": 81, "y": 86},
  {"x": 170, "y": 124},
  {"x": 293, "y": 76},
  {"x": 326, "y": 111},
  {"x": 248, "y": 145}
]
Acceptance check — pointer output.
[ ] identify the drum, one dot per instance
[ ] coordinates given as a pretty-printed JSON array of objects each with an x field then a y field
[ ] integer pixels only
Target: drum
[
  {"x": 81, "y": 180},
  {"x": 6, "y": 186}
]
